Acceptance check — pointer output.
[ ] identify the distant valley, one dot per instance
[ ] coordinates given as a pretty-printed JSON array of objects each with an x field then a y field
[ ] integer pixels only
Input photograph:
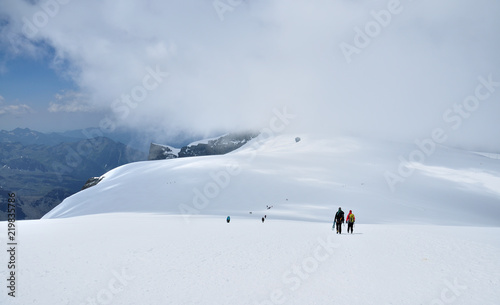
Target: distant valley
[{"x": 43, "y": 169}]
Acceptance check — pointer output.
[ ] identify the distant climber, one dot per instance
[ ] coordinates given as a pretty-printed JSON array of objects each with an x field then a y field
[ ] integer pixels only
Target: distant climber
[
  {"x": 339, "y": 220},
  {"x": 228, "y": 219},
  {"x": 269, "y": 207},
  {"x": 350, "y": 219},
  {"x": 263, "y": 218}
]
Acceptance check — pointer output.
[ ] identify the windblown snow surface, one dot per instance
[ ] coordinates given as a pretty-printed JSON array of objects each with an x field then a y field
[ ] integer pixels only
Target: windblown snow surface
[{"x": 155, "y": 232}]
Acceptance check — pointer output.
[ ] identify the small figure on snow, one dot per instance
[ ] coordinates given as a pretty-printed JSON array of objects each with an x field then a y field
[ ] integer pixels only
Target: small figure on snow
[
  {"x": 268, "y": 207},
  {"x": 228, "y": 219},
  {"x": 339, "y": 220},
  {"x": 263, "y": 218},
  {"x": 350, "y": 219}
]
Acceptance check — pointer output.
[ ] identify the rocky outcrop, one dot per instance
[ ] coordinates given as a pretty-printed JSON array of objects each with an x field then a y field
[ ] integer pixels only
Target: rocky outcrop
[
  {"x": 160, "y": 152},
  {"x": 92, "y": 181},
  {"x": 218, "y": 146}
]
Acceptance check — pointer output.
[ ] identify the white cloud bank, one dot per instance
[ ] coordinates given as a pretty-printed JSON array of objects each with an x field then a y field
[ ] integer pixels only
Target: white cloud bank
[
  {"x": 69, "y": 101},
  {"x": 13, "y": 109},
  {"x": 388, "y": 68}
]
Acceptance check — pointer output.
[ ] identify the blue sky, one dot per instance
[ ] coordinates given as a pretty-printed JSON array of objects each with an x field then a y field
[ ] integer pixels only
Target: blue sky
[
  {"x": 386, "y": 68},
  {"x": 28, "y": 84},
  {"x": 32, "y": 81}
]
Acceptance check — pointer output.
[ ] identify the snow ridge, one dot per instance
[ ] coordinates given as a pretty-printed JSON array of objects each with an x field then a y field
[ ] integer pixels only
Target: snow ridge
[{"x": 306, "y": 180}]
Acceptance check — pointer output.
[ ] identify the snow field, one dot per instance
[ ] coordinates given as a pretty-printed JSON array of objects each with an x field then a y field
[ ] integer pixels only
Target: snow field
[
  {"x": 155, "y": 232},
  {"x": 307, "y": 180},
  {"x": 135, "y": 258}
]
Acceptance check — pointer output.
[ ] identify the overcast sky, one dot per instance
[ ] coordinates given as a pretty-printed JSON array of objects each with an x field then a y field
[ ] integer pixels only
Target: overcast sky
[{"x": 391, "y": 69}]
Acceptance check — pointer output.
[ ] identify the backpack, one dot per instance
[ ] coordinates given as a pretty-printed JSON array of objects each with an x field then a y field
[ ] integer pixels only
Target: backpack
[
  {"x": 351, "y": 218},
  {"x": 339, "y": 217}
]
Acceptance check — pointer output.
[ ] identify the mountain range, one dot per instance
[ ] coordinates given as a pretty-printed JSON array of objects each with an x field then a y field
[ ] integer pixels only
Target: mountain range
[
  {"x": 28, "y": 136},
  {"x": 43, "y": 169}
]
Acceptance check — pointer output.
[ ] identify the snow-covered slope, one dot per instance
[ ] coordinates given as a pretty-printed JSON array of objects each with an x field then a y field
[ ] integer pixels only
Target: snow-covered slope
[
  {"x": 155, "y": 232},
  {"x": 132, "y": 258},
  {"x": 307, "y": 180}
]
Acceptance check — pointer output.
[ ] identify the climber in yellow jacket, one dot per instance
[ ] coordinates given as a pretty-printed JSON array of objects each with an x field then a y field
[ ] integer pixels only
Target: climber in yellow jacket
[{"x": 350, "y": 221}]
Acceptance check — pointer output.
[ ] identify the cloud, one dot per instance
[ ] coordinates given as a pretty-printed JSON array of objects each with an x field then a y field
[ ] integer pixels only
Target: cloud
[
  {"x": 16, "y": 110},
  {"x": 411, "y": 62},
  {"x": 70, "y": 101}
]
